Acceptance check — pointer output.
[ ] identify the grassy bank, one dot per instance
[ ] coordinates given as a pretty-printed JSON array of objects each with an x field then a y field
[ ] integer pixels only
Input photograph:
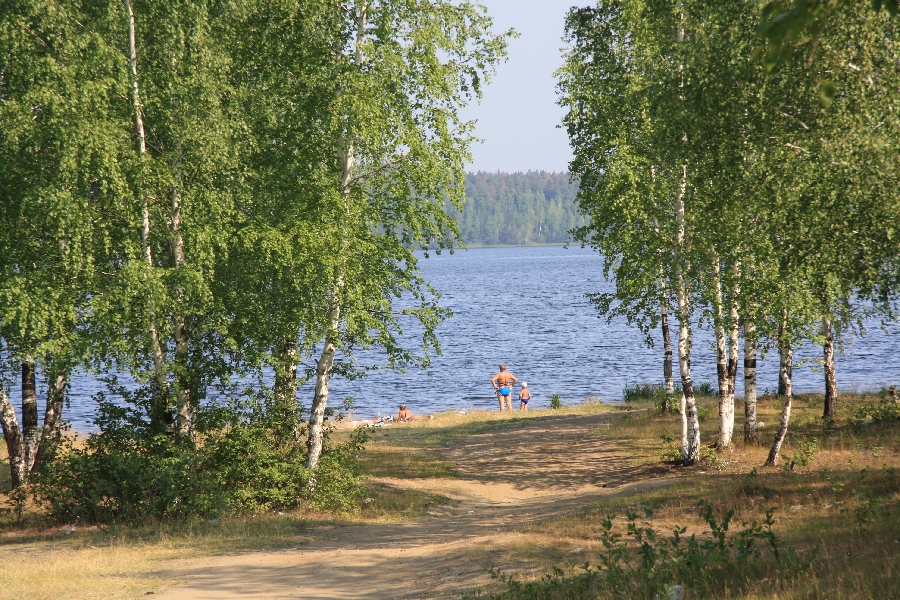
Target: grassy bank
[{"x": 837, "y": 512}]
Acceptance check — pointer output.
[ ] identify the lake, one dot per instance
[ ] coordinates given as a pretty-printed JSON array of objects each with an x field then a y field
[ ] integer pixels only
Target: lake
[{"x": 525, "y": 306}]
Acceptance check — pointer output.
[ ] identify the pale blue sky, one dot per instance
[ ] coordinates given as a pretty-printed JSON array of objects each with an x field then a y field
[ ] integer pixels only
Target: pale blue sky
[{"x": 518, "y": 116}]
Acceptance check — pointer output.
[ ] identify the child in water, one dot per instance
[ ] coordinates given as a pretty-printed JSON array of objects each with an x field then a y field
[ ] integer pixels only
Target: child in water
[{"x": 524, "y": 396}]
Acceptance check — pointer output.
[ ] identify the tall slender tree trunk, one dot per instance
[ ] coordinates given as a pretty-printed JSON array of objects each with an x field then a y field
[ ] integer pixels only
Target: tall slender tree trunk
[
  {"x": 751, "y": 433},
  {"x": 786, "y": 352},
  {"x": 50, "y": 433},
  {"x": 784, "y": 377},
  {"x": 667, "y": 360},
  {"x": 159, "y": 361},
  {"x": 664, "y": 320},
  {"x": 733, "y": 347},
  {"x": 183, "y": 398},
  {"x": 324, "y": 369},
  {"x": 831, "y": 393},
  {"x": 31, "y": 433},
  {"x": 15, "y": 446},
  {"x": 286, "y": 387},
  {"x": 690, "y": 443},
  {"x": 726, "y": 413},
  {"x": 326, "y": 360}
]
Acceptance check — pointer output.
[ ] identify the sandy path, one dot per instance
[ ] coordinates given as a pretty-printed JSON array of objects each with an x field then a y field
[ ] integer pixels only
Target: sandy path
[{"x": 507, "y": 479}]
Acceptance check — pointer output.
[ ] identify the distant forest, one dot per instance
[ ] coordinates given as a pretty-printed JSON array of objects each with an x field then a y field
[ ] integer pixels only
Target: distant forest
[{"x": 518, "y": 208}]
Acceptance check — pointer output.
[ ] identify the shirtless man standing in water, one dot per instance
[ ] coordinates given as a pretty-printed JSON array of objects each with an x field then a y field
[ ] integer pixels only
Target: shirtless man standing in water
[{"x": 503, "y": 383}]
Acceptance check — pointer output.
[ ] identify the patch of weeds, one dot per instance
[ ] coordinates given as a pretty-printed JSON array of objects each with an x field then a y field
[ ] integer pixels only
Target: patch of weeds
[
  {"x": 804, "y": 453},
  {"x": 750, "y": 484},
  {"x": 886, "y": 411},
  {"x": 670, "y": 449},
  {"x": 641, "y": 562},
  {"x": 704, "y": 388},
  {"x": 703, "y": 413},
  {"x": 710, "y": 458},
  {"x": 555, "y": 402},
  {"x": 644, "y": 392},
  {"x": 17, "y": 501}
]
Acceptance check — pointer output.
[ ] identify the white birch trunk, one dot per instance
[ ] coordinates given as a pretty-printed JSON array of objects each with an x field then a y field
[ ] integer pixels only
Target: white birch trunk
[
  {"x": 286, "y": 375},
  {"x": 50, "y": 433},
  {"x": 326, "y": 359},
  {"x": 691, "y": 433},
  {"x": 286, "y": 388},
  {"x": 31, "y": 433},
  {"x": 183, "y": 408},
  {"x": 726, "y": 416},
  {"x": 831, "y": 393},
  {"x": 733, "y": 348},
  {"x": 159, "y": 361},
  {"x": 786, "y": 353},
  {"x": 15, "y": 447},
  {"x": 323, "y": 376},
  {"x": 751, "y": 433}
]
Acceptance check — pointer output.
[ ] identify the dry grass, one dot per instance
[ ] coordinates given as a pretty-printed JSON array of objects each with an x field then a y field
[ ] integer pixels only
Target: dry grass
[
  {"x": 841, "y": 511},
  {"x": 409, "y": 449},
  {"x": 90, "y": 562},
  {"x": 45, "y": 560}
]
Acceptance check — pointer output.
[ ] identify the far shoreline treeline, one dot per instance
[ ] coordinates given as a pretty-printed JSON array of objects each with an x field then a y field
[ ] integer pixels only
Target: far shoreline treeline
[{"x": 518, "y": 209}]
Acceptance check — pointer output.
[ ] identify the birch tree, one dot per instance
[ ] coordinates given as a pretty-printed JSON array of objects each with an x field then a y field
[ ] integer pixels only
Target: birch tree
[
  {"x": 157, "y": 316},
  {"x": 59, "y": 177},
  {"x": 404, "y": 70}
]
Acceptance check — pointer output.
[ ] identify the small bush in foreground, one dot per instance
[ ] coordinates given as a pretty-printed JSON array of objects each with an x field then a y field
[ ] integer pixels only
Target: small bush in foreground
[
  {"x": 644, "y": 392},
  {"x": 555, "y": 402},
  {"x": 645, "y": 563},
  {"x": 243, "y": 463},
  {"x": 656, "y": 392}
]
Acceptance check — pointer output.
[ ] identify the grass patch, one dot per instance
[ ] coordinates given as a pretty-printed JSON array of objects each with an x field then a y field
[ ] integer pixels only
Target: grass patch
[
  {"x": 391, "y": 504},
  {"x": 835, "y": 512},
  {"x": 125, "y": 562},
  {"x": 411, "y": 450}
]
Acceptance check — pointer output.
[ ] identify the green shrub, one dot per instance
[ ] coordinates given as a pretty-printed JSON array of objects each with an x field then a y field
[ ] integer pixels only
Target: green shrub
[
  {"x": 704, "y": 388},
  {"x": 644, "y": 392},
  {"x": 644, "y": 563},
  {"x": 243, "y": 462},
  {"x": 703, "y": 413},
  {"x": 886, "y": 410},
  {"x": 555, "y": 402},
  {"x": 656, "y": 392}
]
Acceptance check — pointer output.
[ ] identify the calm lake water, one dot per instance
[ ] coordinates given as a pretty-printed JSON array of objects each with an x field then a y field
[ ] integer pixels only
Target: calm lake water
[{"x": 525, "y": 307}]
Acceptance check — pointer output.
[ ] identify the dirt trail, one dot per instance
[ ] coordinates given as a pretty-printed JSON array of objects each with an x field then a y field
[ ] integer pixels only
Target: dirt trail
[{"x": 506, "y": 479}]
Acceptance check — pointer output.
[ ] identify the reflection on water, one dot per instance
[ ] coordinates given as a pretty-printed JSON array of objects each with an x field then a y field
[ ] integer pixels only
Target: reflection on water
[{"x": 526, "y": 307}]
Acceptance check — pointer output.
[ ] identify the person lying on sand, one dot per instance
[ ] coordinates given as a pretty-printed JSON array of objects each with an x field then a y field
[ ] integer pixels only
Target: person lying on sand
[{"x": 405, "y": 416}]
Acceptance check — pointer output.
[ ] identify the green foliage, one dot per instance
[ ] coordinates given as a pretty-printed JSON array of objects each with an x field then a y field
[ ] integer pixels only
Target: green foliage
[
  {"x": 704, "y": 388},
  {"x": 887, "y": 410},
  {"x": 804, "y": 451},
  {"x": 670, "y": 450},
  {"x": 242, "y": 464},
  {"x": 338, "y": 483},
  {"x": 789, "y": 25},
  {"x": 517, "y": 208},
  {"x": 555, "y": 401},
  {"x": 645, "y": 563},
  {"x": 644, "y": 392}
]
